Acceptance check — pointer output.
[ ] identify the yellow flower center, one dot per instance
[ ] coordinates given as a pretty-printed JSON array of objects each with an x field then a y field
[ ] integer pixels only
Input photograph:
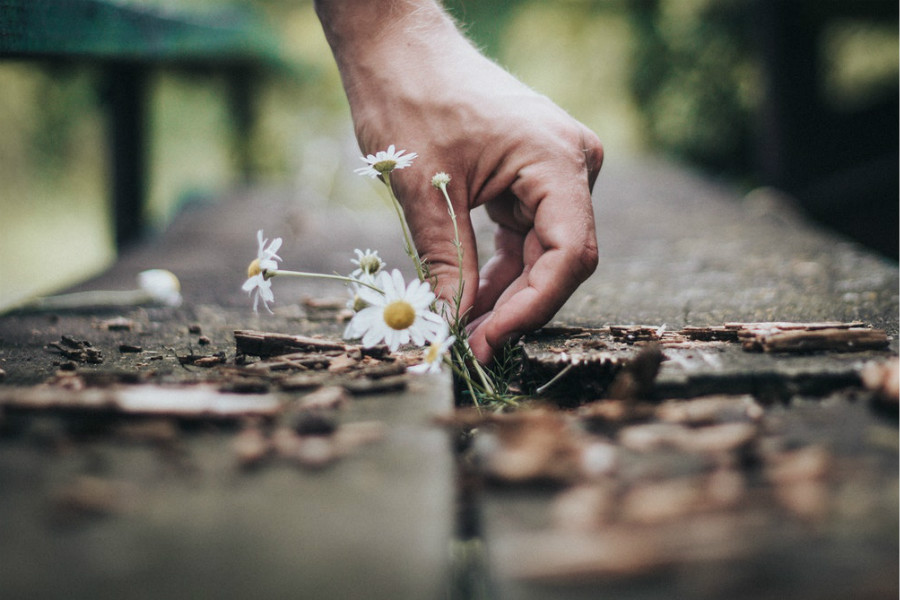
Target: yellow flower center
[
  {"x": 253, "y": 270},
  {"x": 385, "y": 166},
  {"x": 399, "y": 314},
  {"x": 358, "y": 303},
  {"x": 370, "y": 264},
  {"x": 432, "y": 355}
]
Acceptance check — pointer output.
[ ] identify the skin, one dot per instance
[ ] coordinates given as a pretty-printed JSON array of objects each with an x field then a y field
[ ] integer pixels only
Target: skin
[{"x": 413, "y": 80}]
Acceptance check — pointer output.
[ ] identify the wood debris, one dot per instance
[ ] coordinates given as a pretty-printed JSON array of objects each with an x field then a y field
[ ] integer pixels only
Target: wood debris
[
  {"x": 78, "y": 350},
  {"x": 711, "y": 334},
  {"x": 196, "y": 401},
  {"x": 311, "y": 450},
  {"x": 203, "y": 360},
  {"x": 814, "y": 336},
  {"x": 297, "y": 361},
  {"x": 810, "y": 337},
  {"x": 636, "y": 378},
  {"x": 117, "y": 324},
  {"x": 710, "y": 409},
  {"x": 251, "y": 446},
  {"x": 326, "y": 398},
  {"x": 654, "y": 502},
  {"x": 529, "y": 446},
  {"x": 635, "y": 333},
  {"x": 267, "y": 344},
  {"x": 719, "y": 438},
  {"x": 883, "y": 379}
]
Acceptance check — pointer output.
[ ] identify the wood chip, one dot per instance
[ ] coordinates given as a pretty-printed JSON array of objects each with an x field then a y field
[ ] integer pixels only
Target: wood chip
[
  {"x": 815, "y": 340},
  {"x": 327, "y": 398},
  {"x": 710, "y": 409},
  {"x": 117, "y": 324},
  {"x": 809, "y": 462},
  {"x": 250, "y": 447},
  {"x": 364, "y": 385},
  {"x": 209, "y": 361},
  {"x": 711, "y": 334},
  {"x": 635, "y": 333},
  {"x": 883, "y": 378},
  {"x": 260, "y": 343},
  {"x": 531, "y": 446},
  {"x": 342, "y": 364},
  {"x": 303, "y": 381},
  {"x": 202, "y": 360},
  {"x": 79, "y": 350},
  {"x": 296, "y": 361},
  {"x": 637, "y": 377},
  {"x": 352, "y": 435},
  {"x": 713, "y": 439},
  {"x": 777, "y": 336},
  {"x": 199, "y": 401}
]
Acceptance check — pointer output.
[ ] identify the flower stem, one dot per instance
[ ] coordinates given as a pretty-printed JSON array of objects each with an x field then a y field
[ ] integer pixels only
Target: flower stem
[
  {"x": 93, "y": 298},
  {"x": 459, "y": 248},
  {"x": 278, "y": 272},
  {"x": 410, "y": 248},
  {"x": 458, "y": 365},
  {"x": 539, "y": 391}
]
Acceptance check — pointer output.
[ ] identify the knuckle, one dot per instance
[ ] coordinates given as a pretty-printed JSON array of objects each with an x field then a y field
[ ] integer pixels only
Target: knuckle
[{"x": 585, "y": 260}]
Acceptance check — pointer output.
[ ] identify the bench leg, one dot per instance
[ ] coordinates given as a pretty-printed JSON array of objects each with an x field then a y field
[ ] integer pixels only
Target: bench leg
[
  {"x": 127, "y": 86},
  {"x": 242, "y": 83}
]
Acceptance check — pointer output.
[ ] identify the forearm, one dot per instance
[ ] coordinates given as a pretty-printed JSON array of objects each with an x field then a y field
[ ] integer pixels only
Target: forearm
[{"x": 373, "y": 40}]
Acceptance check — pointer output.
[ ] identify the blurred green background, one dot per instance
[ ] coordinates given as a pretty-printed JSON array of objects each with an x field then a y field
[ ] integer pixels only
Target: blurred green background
[{"x": 673, "y": 77}]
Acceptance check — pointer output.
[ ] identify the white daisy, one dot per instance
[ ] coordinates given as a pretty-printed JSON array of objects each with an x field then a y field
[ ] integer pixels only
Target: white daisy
[
  {"x": 161, "y": 285},
  {"x": 266, "y": 258},
  {"x": 397, "y": 316},
  {"x": 434, "y": 356},
  {"x": 385, "y": 161},
  {"x": 367, "y": 263},
  {"x": 263, "y": 288},
  {"x": 356, "y": 302},
  {"x": 440, "y": 180}
]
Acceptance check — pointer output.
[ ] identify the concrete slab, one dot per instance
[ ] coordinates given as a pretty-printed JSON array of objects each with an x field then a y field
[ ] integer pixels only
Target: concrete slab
[
  {"x": 641, "y": 514},
  {"x": 95, "y": 502}
]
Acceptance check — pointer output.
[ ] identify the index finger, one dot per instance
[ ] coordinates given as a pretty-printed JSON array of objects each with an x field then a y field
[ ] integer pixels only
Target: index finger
[{"x": 560, "y": 252}]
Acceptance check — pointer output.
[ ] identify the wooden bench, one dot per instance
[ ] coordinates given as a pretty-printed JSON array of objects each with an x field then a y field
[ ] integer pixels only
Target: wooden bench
[{"x": 129, "y": 43}]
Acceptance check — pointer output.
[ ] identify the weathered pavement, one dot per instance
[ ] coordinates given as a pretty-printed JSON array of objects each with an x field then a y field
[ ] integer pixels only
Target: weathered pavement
[
  {"x": 666, "y": 498},
  {"x": 147, "y": 506}
]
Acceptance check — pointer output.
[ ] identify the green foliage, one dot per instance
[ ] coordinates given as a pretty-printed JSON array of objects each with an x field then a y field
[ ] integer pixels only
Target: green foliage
[{"x": 695, "y": 80}]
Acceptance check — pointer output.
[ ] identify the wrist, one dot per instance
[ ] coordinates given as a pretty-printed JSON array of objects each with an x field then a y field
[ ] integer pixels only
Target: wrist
[{"x": 370, "y": 31}]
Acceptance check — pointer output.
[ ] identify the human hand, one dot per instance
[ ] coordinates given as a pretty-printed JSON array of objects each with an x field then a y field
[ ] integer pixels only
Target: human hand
[{"x": 420, "y": 85}]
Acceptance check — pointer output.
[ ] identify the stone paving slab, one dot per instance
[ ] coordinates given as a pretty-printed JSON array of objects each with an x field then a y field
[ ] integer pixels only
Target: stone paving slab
[
  {"x": 629, "y": 519},
  {"x": 182, "y": 520},
  {"x": 141, "y": 514},
  {"x": 94, "y": 502}
]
